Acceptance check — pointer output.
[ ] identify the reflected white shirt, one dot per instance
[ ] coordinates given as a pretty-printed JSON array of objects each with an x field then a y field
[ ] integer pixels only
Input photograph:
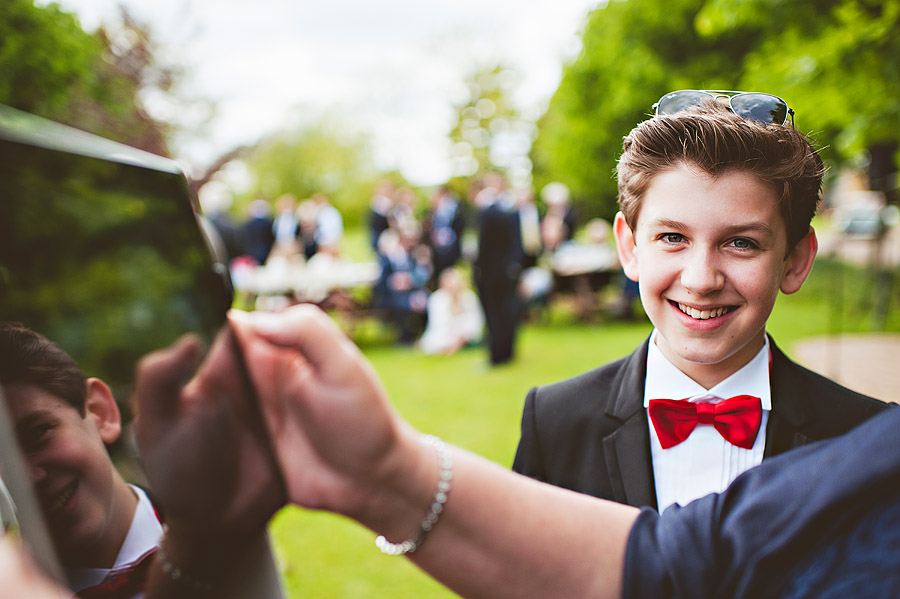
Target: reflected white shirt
[
  {"x": 705, "y": 462},
  {"x": 143, "y": 535}
]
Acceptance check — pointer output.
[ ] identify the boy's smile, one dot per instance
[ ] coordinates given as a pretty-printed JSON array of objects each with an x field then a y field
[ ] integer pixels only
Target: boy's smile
[
  {"x": 73, "y": 477},
  {"x": 710, "y": 256}
]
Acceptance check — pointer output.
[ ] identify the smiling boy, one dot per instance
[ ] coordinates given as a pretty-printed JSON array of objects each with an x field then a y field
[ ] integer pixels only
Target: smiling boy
[
  {"x": 104, "y": 529},
  {"x": 716, "y": 196}
]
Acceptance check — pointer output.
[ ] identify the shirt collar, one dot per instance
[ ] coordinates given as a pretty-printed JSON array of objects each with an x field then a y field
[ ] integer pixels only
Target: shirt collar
[
  {"x": 664, "y": 379},
  {"x": 144, "y": 533}
]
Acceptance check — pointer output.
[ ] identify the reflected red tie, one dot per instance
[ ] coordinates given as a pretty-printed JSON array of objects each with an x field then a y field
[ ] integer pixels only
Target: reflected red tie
[
  {"x": 123, "y": 583},
  {"x": 737, "y": 419}
]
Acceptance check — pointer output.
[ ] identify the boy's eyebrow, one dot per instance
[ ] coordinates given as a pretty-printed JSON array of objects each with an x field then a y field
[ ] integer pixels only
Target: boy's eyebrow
[{"x": 751, "y": 227}]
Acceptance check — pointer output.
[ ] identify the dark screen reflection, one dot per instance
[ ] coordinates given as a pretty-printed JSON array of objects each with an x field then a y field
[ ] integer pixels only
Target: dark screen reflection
[{"x": 100, "y": 254}]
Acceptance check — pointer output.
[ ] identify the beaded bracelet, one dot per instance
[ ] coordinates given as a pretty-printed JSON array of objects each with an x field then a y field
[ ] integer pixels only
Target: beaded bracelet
[
  {"x": 176, "y": 573},
  {"x": 437, "y": 504}
]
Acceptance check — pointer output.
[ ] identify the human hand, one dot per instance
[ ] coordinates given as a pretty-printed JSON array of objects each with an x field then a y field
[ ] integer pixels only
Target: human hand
[
  {"x": 207, "y": 462},
  {"x": 334, "y": 432}
]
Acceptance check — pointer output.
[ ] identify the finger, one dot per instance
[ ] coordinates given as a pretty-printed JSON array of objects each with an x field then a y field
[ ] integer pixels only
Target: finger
[
  {"x": 303, "y": 327},
  {"x": 218, "y": 369},
  {"x": 159, "y": 379}
]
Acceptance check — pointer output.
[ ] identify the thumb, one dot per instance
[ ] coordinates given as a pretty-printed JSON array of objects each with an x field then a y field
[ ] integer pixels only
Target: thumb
[
  {"x": 306, "y": 329},
  {"x": 159, "y": 378}
]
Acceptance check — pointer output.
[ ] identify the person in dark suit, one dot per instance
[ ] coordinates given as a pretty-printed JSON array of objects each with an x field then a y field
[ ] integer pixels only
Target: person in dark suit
[
  {"x": 257, "y": 230},
  {"x": 444, "y": 228},
  {"x": 497, "y": 267},
  {"x": 715, "y": 220},
  {"x": 379, "y": 207},
  {"x": 609, "y": 457}
]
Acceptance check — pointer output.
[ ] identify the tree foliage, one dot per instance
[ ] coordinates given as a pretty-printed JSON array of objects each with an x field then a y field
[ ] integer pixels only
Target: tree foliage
[
  {"x": 51, "y": 67},
  {"x": 836, "y": 62},
  {"x": 489, "y": 133}
]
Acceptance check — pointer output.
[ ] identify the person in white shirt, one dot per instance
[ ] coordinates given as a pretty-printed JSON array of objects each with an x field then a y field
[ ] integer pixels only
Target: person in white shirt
[
  {"x": 329, "y": 222},
  {"x": 714, "y": 222},
  {"x": 454, "y": 316},
  {"x": 104, "y": 530}
]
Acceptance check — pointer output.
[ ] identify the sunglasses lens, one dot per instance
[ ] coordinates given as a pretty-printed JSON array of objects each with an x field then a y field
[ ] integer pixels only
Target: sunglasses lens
[
  {"x": 675, "y": 102},
  {"x": 763, "y": 108}
]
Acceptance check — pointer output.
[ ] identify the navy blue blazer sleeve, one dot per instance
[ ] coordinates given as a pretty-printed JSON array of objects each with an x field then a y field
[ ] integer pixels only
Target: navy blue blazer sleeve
[{"x": 818, "y": 521}]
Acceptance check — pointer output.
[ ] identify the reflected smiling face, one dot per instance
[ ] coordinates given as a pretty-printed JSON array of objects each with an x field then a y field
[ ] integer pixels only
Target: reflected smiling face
[
  {"x": 710, "y": 256},
  {"x": 87, "y": 505}
]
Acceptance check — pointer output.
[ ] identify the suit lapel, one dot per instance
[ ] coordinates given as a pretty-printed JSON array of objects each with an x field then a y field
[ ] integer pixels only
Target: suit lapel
[
  {"x": 789, "y": 409},
  {"x": 627, "y": 449}
]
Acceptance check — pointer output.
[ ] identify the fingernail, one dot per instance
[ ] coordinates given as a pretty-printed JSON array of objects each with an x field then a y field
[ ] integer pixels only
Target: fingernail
[{"x": 261, "y": 321}]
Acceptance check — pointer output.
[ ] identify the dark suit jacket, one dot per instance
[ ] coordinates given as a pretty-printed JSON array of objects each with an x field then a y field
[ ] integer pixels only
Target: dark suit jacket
[
  {"x": 499, "y": 259},
  {"x": 590, "y": 434}
]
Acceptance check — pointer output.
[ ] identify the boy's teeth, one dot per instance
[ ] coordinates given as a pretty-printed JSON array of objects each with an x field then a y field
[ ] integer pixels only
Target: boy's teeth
[
  {"x": 62, "y": 498},
  {"x": 702, "y": 314}
]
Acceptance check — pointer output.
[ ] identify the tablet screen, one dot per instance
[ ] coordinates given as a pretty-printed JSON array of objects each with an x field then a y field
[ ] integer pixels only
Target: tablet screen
[
  {"x": 100, "y": 248},
  {"x": 101, "y": 252}
]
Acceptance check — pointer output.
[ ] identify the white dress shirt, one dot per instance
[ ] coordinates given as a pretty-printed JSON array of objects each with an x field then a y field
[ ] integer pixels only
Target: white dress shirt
[
  {"x": 705, "y": 462},
  {"x": 143, "y": 535}
]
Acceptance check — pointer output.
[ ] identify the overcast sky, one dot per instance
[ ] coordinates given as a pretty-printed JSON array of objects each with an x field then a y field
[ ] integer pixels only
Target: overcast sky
[{"x": 393, "y": 66}]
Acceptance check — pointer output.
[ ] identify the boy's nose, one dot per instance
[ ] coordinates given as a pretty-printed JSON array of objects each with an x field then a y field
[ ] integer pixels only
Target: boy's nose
[
  {"x": 37, "y": 471},
  {"x": 701, "y": 273}
]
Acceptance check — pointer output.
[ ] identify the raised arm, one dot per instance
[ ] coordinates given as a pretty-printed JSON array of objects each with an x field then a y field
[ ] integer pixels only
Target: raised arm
[{"x": 342, "y": 447}]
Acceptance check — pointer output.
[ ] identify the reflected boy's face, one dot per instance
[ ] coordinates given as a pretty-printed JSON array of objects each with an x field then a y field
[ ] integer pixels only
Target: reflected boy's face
[
  {"x": 71, "y": 470},
  {"x": 709, "y": 254}
]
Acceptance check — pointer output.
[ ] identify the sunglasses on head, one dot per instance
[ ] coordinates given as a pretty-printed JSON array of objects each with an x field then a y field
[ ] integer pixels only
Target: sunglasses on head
[{"x": 754, "y": 106}]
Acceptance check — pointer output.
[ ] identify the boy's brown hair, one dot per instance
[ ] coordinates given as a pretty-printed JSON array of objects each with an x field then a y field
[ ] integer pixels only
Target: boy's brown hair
[
  {"x": 715, "y": 140},
  {"x": 27, "y": 357}
]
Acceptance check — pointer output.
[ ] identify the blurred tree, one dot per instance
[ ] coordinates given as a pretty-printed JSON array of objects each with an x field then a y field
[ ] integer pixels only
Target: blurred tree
[
  {"x": 632, "y": 53},
  {"x": 489, "y": 133},
  {"x": 44, "y": 54},
  {"x": 838, "y": 66},
  {"x": 314, "y": 158},
  {"x": 834, "y": 61},
  {"x": 101, "y": 83}
]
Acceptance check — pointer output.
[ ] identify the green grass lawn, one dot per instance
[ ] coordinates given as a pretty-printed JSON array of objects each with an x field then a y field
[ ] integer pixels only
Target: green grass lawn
[{"x": 458, "y": 398}]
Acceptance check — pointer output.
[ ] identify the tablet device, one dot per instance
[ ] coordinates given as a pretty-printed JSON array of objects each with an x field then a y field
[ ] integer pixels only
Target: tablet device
[{"x": 103, "y": 251}]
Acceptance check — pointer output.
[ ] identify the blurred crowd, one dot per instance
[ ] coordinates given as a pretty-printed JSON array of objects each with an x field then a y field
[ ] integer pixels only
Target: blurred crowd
[{"x": 451, "y": 272}]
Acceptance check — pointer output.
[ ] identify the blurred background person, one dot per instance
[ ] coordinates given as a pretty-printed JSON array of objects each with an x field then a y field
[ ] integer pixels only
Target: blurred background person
[
  {"x": 444, "y": 226},
  {"x": 379, "y": 208},
  {"x": 329, "y": 224},
  {"x": 286, "y": 227},
  {"x": 258, "y": 235},
  {"x": 529, "y": 227},
  {"x": 404, "y": 212},
  {"x": 498, "y": 266},
  {"x": 455, "y": 319},
  {"x": 306, "y": 227},
  {"x": 559, "y": 222},
  {"x": 400, "y": 291}
]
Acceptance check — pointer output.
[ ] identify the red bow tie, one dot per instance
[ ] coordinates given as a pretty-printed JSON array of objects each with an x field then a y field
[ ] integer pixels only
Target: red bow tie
[{"x": 737, "y": 419}]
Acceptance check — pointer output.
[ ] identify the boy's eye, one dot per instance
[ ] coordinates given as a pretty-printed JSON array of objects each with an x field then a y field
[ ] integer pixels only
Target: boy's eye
[
  {"x": 742, "y": 243},
  {"x": 37, "y": 436},
  {"x": 672, "y": 237}
]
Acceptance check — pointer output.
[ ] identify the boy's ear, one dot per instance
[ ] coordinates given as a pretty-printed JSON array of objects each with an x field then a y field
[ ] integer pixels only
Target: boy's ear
[
  {"x": 100, "y": 407},
  {"x": 799, "y": 262},
  {"x": 626, "y": 247}
]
